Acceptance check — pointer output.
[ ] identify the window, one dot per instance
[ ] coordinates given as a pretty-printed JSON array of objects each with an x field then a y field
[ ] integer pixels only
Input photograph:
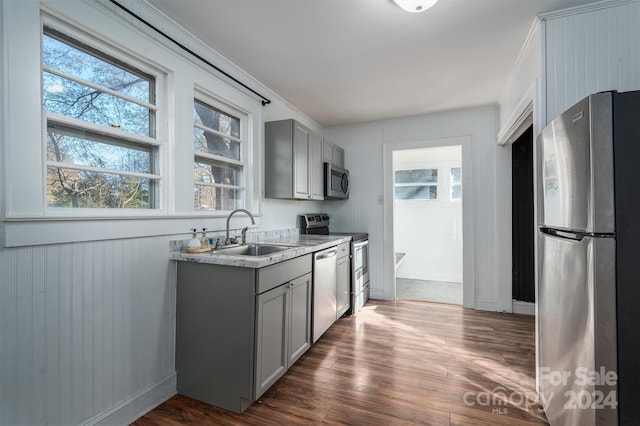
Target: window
[
  {"x": 416, "y": 184},
  {"x": 455, "y": 184},
  {"x": 101, "y": 145},
  {"x": 220, "y": 162}
]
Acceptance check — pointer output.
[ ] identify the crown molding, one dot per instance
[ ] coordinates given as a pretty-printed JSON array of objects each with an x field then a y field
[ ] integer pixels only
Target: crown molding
[
  {"x": 534, "y": 32},
  {"x": 591, "y": 7}
]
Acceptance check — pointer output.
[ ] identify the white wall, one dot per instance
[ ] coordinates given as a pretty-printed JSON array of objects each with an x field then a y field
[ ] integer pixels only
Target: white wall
[
  {"x": 363, "y": 144},
  {"x": 589, "y": 50},
  {"x": 429, "y": 231},
  {"x": 87, "y": 328}
]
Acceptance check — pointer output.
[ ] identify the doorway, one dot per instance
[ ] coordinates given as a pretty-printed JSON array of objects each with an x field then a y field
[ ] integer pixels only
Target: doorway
[
  {"x": 523, "y": 222},
  {"x": 428, "y": 224},
  {"x": 468, "y": 233}
]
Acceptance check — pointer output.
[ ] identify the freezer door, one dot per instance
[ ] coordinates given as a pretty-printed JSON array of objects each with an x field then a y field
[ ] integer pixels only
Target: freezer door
[
  {"x": 577, "y": 331},
  {"x": 577, "y": 168}
]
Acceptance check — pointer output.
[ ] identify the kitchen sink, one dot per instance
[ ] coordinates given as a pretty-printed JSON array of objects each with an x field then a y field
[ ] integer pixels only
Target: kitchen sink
[{"x": 252, "y": 249}]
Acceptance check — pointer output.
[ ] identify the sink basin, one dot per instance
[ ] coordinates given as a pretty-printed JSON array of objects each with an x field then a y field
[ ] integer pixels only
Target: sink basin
[{"x": 252, "y": 249}]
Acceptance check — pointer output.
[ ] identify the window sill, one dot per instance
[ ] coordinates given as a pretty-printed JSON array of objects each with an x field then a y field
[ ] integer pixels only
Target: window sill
[{"x": 29, "y": 231}]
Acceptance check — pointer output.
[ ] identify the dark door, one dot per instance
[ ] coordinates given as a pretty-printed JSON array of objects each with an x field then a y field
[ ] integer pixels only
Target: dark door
[{"x": 522, "y": 218}]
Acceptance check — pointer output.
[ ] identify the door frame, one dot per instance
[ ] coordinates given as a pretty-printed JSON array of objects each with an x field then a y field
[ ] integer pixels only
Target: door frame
[{"x": 468, "y": 235}]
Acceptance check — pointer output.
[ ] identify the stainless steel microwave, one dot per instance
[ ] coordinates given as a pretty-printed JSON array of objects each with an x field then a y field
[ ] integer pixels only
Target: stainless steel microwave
[{"x": 336, "y": 182}]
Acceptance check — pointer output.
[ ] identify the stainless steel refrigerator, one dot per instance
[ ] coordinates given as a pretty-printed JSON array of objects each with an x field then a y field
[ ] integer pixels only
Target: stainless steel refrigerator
[{"x": 589, "y": 263}]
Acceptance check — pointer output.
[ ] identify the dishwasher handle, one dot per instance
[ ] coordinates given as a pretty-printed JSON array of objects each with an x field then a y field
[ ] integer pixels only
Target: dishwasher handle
[
  {"x": 327, "y": 253},
  {"x": 361, "y": 244}
]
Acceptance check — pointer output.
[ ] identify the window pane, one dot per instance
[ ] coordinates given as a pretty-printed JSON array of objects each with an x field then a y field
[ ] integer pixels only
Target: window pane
[
  {"x": 456, "y": 192},
  {"x": 221, "y": 173},
  {"x": 456, "y": 174},
  {"x": 215, "y": 119},
  {"x": 77, "y": 188},
  {"x": 417, "y": 192},
  {"x": 68, "y": 98},
  {"x": 213, "y": 198},
  {"x": 69, "y": 59},
  {"x": 89, "y": 152},
  {"x": 417, "y": 176},
  {"x": 212, "y": 143},
  {"x": 217, "y": 139}
]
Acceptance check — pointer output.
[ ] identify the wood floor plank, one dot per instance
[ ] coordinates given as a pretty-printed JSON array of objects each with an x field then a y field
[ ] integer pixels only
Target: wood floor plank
[{"x": 396, "y": 363}]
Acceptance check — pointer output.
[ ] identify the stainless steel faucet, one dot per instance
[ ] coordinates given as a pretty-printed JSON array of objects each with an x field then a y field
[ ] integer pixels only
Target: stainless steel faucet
[{"x": 253, "y": 222}]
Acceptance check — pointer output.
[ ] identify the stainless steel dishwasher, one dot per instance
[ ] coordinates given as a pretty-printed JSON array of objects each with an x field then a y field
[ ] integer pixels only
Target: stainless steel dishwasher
[{"x": 324, "y": 290}]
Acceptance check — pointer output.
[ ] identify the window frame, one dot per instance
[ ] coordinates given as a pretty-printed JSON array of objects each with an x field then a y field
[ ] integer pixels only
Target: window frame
[
  {"x": 26, "y": 220},
  {"x": 104, "y": 49},
  {"x": 452, "y": 183},
  {"x": 214, "y": 102},
  {"x": 417, "y": 184}
]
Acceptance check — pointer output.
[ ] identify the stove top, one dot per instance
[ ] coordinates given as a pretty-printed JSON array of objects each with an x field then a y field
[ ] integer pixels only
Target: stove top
[
  {"x": 357, "y": 236},
  {"x": 318, "y": 224}
]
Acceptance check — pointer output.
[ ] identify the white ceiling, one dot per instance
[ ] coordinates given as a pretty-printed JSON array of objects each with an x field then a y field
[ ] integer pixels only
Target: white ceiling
[{"x": 348, "y": 61}]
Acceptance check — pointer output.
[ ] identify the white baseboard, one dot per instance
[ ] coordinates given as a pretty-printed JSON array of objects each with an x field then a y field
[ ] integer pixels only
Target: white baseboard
[
  {"x": 525, "y": 308},
  {"x": 449, "y": 278},
  {"x": 138, "y": 404},
  {"x": 486, "y": 305},
  {"x": 376, "y": 294}
]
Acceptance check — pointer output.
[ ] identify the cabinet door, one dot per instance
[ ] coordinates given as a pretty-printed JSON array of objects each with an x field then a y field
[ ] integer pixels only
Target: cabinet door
[
  {"x": 327, "y": 152},
  {"x": 301, "y": 153},
  {"x": 343, "y": 287},
  {"x": 338, "y": 156},
  {"x": 300, "y": 318},
  {"x": 271, "y": 337},
  {"x": 316, "y": 167}
]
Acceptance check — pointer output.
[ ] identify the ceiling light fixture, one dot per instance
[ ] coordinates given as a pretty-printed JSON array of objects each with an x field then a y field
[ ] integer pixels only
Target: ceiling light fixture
[{"x": 415, "y": 6}]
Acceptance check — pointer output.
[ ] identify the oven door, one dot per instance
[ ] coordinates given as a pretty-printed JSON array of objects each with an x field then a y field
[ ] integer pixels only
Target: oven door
[
  {"x": 361, "y": 258},
  {"x": 360, "y": 275},
  {"x": 336, "y": 182}
]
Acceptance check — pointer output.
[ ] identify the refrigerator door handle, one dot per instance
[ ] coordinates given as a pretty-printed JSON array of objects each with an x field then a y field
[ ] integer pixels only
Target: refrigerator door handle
[{"x": 576, "y": 236}]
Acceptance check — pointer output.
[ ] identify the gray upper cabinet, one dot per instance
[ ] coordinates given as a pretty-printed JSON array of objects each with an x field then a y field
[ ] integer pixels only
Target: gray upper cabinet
[
  {"x": 293, "y": 161},
  {"x": 332, "y": 153}
]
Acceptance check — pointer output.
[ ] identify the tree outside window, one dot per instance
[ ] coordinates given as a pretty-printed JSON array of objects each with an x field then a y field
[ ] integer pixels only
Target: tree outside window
[
  {"x": 416, "y": 184},
  {"x": 101, "y": 133},
  {"x": 219, "y": 163}
]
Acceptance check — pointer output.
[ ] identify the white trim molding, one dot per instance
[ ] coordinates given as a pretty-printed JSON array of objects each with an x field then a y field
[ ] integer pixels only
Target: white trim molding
[
  {"x": 468, "y": 236},
  {"x": 519, "y": 120},
  {"x": 138, "y": 404},
  {"x": 524, "y": 308},
  {"x": 585, "y": 8}
]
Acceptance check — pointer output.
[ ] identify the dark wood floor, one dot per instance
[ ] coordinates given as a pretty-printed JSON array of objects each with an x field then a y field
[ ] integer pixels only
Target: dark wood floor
[{"x": 396, "y": 363}]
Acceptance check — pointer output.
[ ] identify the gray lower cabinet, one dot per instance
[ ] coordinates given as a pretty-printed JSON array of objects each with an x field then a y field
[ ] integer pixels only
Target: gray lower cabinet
[
  {"x": 283, "y": 330},
  {"x": 343, "y": 280},
  {"x": 239, "y": 329}
]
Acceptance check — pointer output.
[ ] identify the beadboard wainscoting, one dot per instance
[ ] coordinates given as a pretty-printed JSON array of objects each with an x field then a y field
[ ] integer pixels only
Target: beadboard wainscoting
[
  {"x": 590, "y": 49},
  {"x": 84, "y": 328}
]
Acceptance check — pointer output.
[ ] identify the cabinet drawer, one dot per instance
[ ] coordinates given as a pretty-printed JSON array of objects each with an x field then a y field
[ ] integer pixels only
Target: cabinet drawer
[
  {"x": 344, "y": 249},
  {"x": 274, "y": 275}
]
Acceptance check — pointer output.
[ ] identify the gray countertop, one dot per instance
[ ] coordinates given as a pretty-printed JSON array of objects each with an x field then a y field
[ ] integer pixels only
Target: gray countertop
[{"x": 303, "y": 244}]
